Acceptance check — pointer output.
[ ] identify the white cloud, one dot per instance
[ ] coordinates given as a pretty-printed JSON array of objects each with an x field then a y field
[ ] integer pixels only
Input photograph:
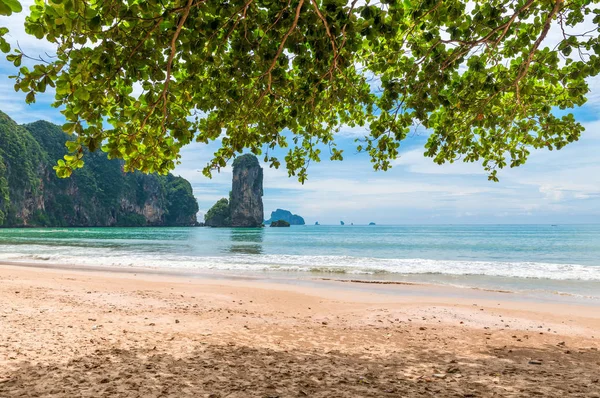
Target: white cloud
[
  {"x": 353, "y": 132},
  {"x": 416, "y": 162}
]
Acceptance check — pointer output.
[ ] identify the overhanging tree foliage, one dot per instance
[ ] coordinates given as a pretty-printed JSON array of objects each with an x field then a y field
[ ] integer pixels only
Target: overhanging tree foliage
[
  {"x": 7, "y": 7},
  {"x": 483, "y": 76}
]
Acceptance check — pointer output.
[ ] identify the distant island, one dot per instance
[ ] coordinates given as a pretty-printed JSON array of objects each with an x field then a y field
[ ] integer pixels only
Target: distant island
[
  {"x": 98, "y": 195},
  {"x": 317, "y": 223},
  {"x": 285, "y": 215},
  {"x": 372, "y": 223},
  {"x": 342, "y": 223},
  {"x": 280, "y": 223},
  {"x": 244, "y": 207}
]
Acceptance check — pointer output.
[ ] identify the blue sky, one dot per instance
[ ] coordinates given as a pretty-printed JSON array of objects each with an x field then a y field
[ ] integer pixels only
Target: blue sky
[{"x": 553, "y": 187}]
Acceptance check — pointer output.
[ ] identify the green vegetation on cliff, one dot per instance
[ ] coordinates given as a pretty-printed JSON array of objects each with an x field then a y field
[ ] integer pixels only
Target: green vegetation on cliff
[
  {"x": 245, "y": 161},
  {"x": 219, "y": 215},
  {"x": 99, "y": 195}
]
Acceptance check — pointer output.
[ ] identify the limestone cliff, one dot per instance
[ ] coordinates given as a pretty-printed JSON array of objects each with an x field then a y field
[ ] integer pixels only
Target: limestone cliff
[
  {"x": 100, "y": 194},
  {"x": 246, "y": 204}
]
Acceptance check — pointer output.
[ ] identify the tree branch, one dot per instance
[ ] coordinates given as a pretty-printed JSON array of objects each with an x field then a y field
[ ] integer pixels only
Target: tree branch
[
  {"x": 186, "y": 13},
  {"x": 525, "y": 66},
  {"x": 331, "y": 38},
  {"x": 280, "y": 49}
]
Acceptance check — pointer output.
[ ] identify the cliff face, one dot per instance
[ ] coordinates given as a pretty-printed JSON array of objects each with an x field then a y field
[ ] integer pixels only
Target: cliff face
[
  {"x": 285, "y": 215},
  {"x": 100, "y": 194},
  {"x": 246, "y": 204}
]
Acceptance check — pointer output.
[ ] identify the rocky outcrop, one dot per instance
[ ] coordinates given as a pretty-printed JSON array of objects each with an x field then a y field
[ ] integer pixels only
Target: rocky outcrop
[
  {"x": 285, "y": 215},
  {"x": 280, "y": 223},
  {"x": 246, "y": 204},
  {"x": 219, "y": 215},
  {"x": 100, "y": 194}
]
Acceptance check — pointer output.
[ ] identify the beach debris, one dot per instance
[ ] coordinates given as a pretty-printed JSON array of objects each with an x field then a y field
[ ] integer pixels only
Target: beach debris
[
  {"x": 534, "y": 362},
  {"x": 92, "y": 319},
  {"x": 176, "y": 320},
  {"x": 439, "y": 375},
  {"x": 561, "y": 344},
  {"x": 422, "y": 328}
]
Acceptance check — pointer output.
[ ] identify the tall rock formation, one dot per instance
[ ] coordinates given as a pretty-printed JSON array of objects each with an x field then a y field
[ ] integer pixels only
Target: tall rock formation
[{"x": 246, "y": 192}]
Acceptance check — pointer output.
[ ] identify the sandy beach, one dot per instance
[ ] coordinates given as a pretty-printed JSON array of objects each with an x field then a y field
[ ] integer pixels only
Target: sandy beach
[{"x": 69, "y": 332}]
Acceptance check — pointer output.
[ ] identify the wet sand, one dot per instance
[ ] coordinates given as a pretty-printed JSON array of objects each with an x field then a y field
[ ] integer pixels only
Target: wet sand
[{"x": 70, "y": 332}]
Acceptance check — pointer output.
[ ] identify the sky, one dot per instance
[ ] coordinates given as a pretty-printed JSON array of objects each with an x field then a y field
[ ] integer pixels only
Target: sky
[{"x": 552, "y": 187}]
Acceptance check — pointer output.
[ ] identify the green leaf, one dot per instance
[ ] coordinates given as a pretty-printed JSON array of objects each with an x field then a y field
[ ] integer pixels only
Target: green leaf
[
  {"x": 7, "y": 7},
  {"x": 69, "y": 128}
]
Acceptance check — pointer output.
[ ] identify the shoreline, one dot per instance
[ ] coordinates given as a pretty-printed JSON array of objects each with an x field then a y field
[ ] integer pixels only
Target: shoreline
[
  {"x": 358, "y": 291},
  {"x": 73, "y": 332},
  {"x": 320, "y": 280}
]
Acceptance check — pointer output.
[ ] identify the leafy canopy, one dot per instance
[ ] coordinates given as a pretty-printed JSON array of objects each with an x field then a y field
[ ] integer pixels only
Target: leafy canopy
[
  {"x": 7, "y": 7},
  {"x": 481, "y": 75}
]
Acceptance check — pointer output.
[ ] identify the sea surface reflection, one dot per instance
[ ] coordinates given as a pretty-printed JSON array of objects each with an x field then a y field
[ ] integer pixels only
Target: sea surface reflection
[{"x": 246, "y": 240}]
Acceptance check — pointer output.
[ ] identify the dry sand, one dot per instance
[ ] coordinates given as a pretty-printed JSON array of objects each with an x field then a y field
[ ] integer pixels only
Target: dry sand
[{"x": 71, "y": 333}]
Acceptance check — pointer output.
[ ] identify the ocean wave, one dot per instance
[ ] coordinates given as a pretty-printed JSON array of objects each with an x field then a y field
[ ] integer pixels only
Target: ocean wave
[{"x": 305, "y": 263}]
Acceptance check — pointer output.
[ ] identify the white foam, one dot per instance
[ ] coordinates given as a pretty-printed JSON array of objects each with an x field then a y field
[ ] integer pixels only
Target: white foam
[{"x": 98, "y": 256}]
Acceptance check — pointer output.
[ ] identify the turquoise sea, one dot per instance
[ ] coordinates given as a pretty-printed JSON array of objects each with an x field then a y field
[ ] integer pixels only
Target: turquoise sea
[{"x": 538, "y": 259}]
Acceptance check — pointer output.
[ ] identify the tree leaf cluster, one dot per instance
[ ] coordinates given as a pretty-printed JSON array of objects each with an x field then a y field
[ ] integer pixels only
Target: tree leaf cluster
[{"x": 261, "y": 74}]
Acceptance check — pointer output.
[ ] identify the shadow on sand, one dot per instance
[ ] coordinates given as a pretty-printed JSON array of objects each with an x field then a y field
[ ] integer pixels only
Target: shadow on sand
[{"x": 236, "y": 371}]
